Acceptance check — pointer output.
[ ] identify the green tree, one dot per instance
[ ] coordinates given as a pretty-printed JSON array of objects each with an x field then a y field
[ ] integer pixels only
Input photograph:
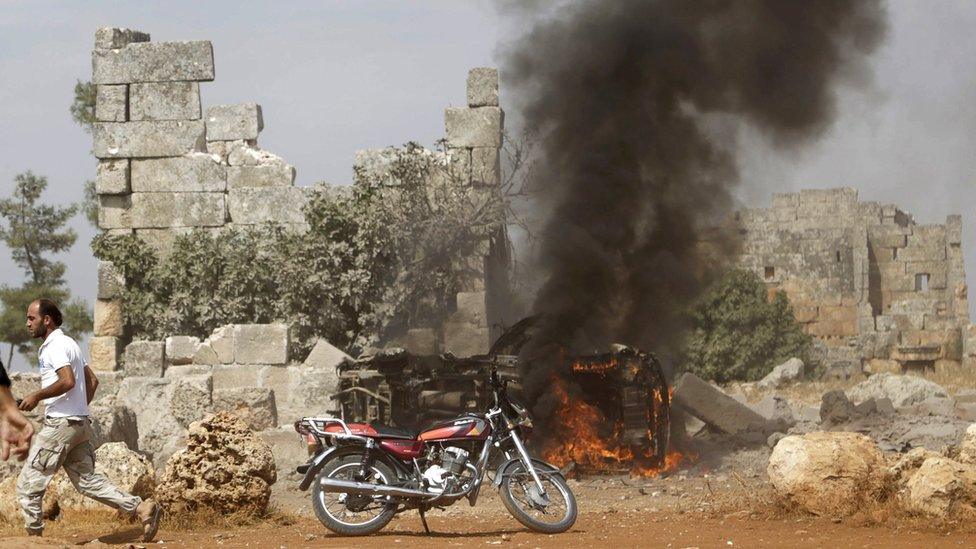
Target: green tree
[
  {"x": 33, "y": 231},
  {"x": 739, "y": 333},
  {"x": 83, "y": 106}
]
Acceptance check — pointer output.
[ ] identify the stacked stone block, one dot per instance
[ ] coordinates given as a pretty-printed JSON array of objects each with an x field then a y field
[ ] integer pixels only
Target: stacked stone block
[{"x": 864, "y": 278}]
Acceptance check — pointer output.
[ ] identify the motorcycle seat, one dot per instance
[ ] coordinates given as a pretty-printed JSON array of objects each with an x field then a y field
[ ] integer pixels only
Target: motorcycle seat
[{"x": 388, "y": 431}]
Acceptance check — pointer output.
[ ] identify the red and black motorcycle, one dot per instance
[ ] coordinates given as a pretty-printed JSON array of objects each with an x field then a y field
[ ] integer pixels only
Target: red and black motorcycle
[{"x": 362, "y": 475}]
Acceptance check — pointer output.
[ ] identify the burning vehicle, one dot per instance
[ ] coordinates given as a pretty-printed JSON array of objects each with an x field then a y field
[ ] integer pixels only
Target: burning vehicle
[{"x": 618, "y": 421}]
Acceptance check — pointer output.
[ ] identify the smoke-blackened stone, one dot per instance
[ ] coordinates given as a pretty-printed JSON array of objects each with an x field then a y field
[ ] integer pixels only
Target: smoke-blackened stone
[
  {"x": 117, "y": 37},
  {"x": 111, "y": 103},
  {"x": 274, "y": 175},
  {"x": 483, "y": 87},
  {"x": 230, "y": 122},
  {"x": 177, "y": 209},
  {"x": 197, "y": 172},
  {"x": 261, "y": 344},
  {"x": 145, "y": 358},
  {"x": 153, "y": 62},
  {"x": 164, "y": 101},
  {"x": 145, "y": 139},
  {"x": 112, "y": 177},
  {"x": 480, "y": 127},
  {"x": 256, "y": 205}
]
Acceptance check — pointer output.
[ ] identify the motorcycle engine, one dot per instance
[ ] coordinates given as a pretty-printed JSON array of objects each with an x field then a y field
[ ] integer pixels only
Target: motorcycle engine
[{"x": 440, "y": 475}]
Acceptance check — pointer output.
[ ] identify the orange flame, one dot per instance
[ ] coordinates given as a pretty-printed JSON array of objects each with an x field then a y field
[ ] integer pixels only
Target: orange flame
[{"x": 579, "y": 441}]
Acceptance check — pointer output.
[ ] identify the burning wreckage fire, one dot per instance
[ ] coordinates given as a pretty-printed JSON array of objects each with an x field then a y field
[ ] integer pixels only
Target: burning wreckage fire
[{"x": 612, "y": 412}]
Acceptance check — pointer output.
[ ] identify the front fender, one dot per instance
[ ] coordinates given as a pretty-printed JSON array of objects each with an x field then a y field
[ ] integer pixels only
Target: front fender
[{"x": 541, "y": 466}]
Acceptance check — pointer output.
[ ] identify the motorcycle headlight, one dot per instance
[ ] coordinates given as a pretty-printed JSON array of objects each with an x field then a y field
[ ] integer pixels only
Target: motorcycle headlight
[{"x": 522, "y": 414}]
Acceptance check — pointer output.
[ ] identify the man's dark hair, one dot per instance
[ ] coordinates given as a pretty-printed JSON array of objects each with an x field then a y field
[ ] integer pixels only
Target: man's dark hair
[{"x": 46, "y": 307}]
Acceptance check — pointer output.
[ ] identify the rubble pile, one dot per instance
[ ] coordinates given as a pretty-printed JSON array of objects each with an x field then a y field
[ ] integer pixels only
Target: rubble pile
[{"x": 225, "y": 467}]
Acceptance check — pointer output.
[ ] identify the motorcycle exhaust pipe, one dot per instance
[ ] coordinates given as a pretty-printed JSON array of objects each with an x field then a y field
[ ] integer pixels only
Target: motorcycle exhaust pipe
[{"x": 351, "y": 487}]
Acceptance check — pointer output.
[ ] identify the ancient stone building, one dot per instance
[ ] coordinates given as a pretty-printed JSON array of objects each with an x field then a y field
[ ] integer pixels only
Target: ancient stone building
[
  {"x": 168, "y": 165},
  {"x": 876, "y": 289}
]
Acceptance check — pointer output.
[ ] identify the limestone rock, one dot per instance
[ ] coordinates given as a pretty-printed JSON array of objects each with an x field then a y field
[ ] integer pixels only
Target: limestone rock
[
  {"x": 110, "y": 281},
  {"x": 164, "y": 101},
  {"x": 465, "y": 339},
  {"x": 903, "y": 390},
  {"x": 147, "y": 139},
  {"x": 478, "y": 127},
  {"x": 205, "y": 355},
  {"x": 715, "y": 408},
  {"x": 905, "y": 465},
  {"x": 150, "y": 399},
  {"x": 111, "y": 103},
  {"x": 109, "y": 320},
  {"x": 942, "y": 487},
  {"x": 483, "y": 87},
  {"x": 967, "y": 449},
  {"x": 225, "y": 467},
  {"x": 273, "y": 175},
  {"x": 108, "y": 386},
  {"x": 113, "y": 423},
  {"x": 324, "y": 355},
  {"x": 153, "y": 62},
  {"x": 829, "y": 474},
  {"x": 181, "y": 349},
  {"x": 261, "y": 344},
  {"x": 258, "y": 205},
  {"x": 118, "y": 37},
  {"x": 103, "y": 353},
  {"x": 835, "y": 408},
  {"x": 196, "y": 172},
  {"x": 113, "y": 212},
  {"x": 177, "y": 209},
  {"x": 112, "y": 177},
  {"x": 126, "y": 469},
  {"x": 145, "y": 358},
  {"x": 230, "y": 122},
  {"x": 221, "y": 340},
  {"x": 10, "y": 507},
  {"x": 254, "y": 405},
  {"x": 191, "y": 398},
  {"x": 785, "y": 373},
  {"x": 249, "y": 155}
]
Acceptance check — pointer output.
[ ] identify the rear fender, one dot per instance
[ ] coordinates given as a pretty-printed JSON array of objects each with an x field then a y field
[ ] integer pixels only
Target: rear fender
[
  {"x": 541, "y": 467},
  {"x": 329, "y": 453}
]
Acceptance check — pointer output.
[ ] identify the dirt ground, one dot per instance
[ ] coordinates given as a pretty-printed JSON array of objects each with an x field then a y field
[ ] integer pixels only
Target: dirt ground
[{"x": 675, "y": 512}]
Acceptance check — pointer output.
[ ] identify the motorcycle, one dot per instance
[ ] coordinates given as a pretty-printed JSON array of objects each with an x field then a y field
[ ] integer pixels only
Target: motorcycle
[{"x": 362, "y": 475}]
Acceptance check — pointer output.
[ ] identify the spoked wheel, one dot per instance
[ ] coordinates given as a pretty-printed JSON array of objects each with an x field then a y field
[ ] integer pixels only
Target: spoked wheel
[
  {"x": 353, "y": 514},
  {"x": 552, "y": 513}
]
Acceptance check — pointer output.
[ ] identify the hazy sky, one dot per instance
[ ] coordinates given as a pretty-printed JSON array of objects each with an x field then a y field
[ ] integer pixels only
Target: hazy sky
[{"x": 334, "y": 77}]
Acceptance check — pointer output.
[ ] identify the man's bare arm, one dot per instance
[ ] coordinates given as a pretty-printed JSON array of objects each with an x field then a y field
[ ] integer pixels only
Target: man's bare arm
[
  {"x": 91, "y": 383},
  {"x": 65, "y": 383}
]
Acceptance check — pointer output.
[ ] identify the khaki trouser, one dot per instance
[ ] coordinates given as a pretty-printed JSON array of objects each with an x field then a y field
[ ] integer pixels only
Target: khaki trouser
[{"x": 65, "y": 442}]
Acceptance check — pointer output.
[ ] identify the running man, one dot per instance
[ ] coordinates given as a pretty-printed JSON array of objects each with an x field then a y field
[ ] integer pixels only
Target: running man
[{"x": 67, "y": 386}]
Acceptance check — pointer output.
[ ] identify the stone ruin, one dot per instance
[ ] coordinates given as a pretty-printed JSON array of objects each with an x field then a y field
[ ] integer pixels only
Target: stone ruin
[
  {"x": 879, "y": 292},
  {"x": 168, "y": 166}
]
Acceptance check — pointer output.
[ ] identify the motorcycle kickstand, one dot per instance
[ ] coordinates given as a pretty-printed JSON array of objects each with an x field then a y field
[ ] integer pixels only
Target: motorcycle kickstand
[{"x": 423, "y": 520}]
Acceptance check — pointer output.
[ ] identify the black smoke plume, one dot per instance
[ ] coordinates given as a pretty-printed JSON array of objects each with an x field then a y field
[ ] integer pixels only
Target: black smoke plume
[{"x": 619, "y": 92}]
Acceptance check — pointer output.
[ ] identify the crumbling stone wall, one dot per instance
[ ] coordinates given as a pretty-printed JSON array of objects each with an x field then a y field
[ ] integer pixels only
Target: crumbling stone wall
[
  {"x": 166, "y": 168},
  {"x": 875, "y": 288}
]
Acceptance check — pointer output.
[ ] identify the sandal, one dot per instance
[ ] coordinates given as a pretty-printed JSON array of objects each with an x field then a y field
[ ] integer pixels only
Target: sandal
[{"x": 151, "y": 525}]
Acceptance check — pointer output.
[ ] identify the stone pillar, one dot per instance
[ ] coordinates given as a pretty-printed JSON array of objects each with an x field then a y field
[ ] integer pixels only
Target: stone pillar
[{"x": 474, "y": 133}]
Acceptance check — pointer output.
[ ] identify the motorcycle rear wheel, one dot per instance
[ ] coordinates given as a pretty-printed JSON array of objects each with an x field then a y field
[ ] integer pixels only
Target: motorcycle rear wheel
[
  {"x": 562, "y": 508},
  {"x": 331, "y": 508}
]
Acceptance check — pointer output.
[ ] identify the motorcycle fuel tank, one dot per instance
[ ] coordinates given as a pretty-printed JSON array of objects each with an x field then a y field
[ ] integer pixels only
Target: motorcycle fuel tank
[{"x": 458, "y": 428}]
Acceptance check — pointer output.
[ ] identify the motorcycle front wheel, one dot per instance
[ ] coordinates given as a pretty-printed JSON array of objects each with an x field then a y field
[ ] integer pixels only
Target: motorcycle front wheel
[
  {"x": 348, "y": 514},
  {"x": 520, "y": 496}
]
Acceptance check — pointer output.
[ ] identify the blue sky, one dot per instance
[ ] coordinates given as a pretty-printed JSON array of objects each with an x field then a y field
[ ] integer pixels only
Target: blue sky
[{"x": 334, "y": 77}]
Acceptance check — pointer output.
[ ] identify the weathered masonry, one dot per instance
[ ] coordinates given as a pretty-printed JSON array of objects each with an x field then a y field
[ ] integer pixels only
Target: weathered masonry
[
  {"x": 169, "y": 165},
  {"x": 880, "y": 291}
]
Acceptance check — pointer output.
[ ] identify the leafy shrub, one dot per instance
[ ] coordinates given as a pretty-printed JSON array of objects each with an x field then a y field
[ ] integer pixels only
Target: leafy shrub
[{"x": 739, "y": 333}]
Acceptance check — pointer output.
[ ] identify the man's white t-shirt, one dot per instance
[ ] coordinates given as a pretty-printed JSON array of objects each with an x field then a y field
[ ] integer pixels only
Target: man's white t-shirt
[{"x": 59, "y": 351}]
